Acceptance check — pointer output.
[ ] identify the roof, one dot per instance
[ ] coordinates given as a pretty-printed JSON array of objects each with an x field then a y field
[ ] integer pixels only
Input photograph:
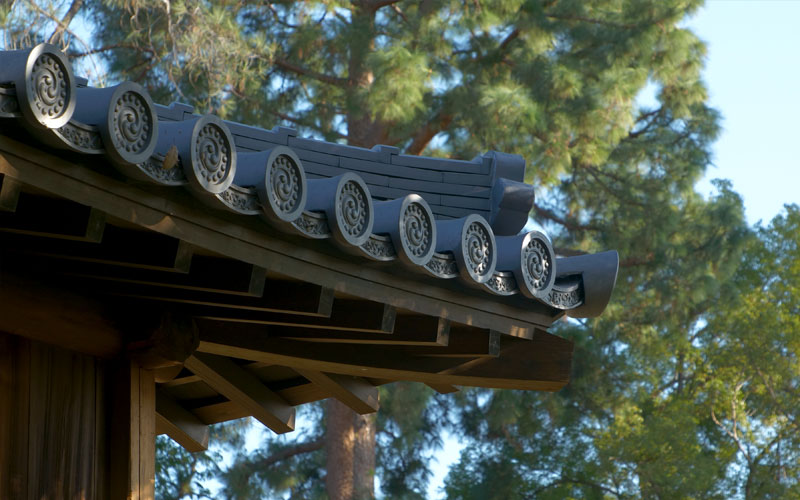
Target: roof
[{"x": 331, "y": 244}]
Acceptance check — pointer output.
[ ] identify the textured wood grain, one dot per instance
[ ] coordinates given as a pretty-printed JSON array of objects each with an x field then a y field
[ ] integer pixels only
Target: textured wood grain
[{"x": 52, "y": 409}]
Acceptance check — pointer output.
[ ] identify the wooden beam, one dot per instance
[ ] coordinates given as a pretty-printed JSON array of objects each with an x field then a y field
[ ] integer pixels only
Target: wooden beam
[
  {"x": 206, "y": 274},
  {"x": 129, "y": 248},
  {"x": 159, "y": 340},
  {"x": 443, "y": 388},
  {"x": 43, "y": 216},
  {"x": 216, "y": 412},
  {"x": 297, "y": 299},
  {"x": 9, "y": 193},
  {"x": 408, "y": 331},
  {"x": 464, "y": 342},
  {"x": 40, "y": 311},
  {"x": 354, "y": 392},
  {"x": 349, "y": 315},
  {"x": 236, "y": 384},
  {"x": 179, "y": 424},
  {"x": 133, "y": 425},
  {"x": 542, "y": 363}
]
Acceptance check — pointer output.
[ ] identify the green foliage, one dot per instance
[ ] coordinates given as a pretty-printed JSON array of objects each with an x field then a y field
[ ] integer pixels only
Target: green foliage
[{"x": 186, "y": 476}]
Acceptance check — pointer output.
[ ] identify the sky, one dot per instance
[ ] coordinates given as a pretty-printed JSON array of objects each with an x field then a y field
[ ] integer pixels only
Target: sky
[{"x": 753, "y": 77}]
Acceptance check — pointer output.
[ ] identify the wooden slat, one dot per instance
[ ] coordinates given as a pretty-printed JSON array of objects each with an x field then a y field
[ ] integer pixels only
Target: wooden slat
[
  {"x": 15, "y": 379},
  {"x": 465, "y": 342},
  {"x": 348, "y": 315},
  {"x": 47, "y": 217},
  {"x": 206, "y": 274},
  {"x": 542, "y": 363},
  {"x": 119, "y": 247},
  {"x": 290, "y": 300},
  {"x": 239, "y": 386},
  {"x": 133, "y": 426},
  {"x": 354, "y": 392},
  {"x": 179, "y": 424},
  {"x": 408, "y": 331},
  {"x": 137, "y": 249},
  {"x": 9, "y": 193}
]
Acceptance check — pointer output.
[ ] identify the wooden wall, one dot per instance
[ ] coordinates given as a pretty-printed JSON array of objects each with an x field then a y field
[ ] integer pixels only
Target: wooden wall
[{"x": 53, "y": 416}]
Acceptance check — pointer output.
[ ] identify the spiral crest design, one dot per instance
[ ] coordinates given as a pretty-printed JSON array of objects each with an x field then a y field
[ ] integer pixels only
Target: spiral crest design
[
  {"x": 285, "y": 184},
  {"x": 353, "y": 209},
  {"x": 213, "y": 158},
  {"x": 537, "y": 265},
  {"x": 48, "y": 87},
  {"x": 132, "y": 123},
  {"x": 417, "y": 230},
  {"x": 478, "y": 249}
]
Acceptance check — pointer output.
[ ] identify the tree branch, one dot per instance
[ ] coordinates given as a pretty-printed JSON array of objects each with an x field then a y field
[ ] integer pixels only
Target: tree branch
[
  {"x": 285, "y": 453},
  {"x": 62, "y": 25},
  {"x": 377, "y": 4},
  {"x": 428, "y": 131},
  {"x": 590, "y": 20},
  {"x": 115, "y": 46},
  {"x": 572, "y": 226},
  {"x": 299, "y": 70}
]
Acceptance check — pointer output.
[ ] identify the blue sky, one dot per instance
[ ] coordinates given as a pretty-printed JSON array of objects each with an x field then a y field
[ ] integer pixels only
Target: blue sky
[{"x": 753, "y": 76}]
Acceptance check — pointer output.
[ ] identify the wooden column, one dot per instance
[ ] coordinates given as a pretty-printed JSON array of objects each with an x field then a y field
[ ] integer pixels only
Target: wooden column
[{"x": 133, "y": 431}]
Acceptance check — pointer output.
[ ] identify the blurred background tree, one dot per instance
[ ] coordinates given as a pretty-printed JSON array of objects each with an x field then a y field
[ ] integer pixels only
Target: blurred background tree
[{"x": 683, "y": 388}]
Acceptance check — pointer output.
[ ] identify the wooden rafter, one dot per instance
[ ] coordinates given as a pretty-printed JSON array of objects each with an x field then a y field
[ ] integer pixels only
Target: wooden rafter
[
  {"x": 236, "y": 384},
  {"x": 180, "y": 424}
]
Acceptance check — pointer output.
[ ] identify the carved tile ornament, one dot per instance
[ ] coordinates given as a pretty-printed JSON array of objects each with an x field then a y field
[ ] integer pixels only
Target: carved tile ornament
[
  {"x": 312, "y": 224},
  {"x": 48, "y": 87},
  {"x": 42, "y": 81},
  {"x": 443, "y": 265},
  {"x": 417, "y": 231},
  {"x": 80, "y": 137},
  {"x": 352, "y": 209},
  {"x": 212, "y": 161},
  {"x": 478, "y": 251},
  {"x": 241, "y": 200},
  {"x": 502, "y": 283},
  {"x": 131, "y": 123},
  {"x": 157, "y": 171},
  {"x": 285, "y": 185},
  {"x": 564, "y": 299},
  {"x": 379, "y": 248},
  {"x": 538, "y": 264}
]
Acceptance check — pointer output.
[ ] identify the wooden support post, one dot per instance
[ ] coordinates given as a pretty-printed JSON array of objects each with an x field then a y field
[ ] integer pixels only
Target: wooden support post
[{"x": 133, "y": 431}]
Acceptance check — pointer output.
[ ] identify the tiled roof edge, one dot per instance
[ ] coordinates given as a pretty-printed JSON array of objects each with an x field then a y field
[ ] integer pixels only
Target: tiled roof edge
[{"x": 445, "y": 218}]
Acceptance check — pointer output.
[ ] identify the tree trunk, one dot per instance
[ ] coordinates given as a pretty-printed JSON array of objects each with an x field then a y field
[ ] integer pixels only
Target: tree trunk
[
  {"x": 350, "y": 441},
  {"x": 364, "y": 456},
  {"x": 340, "y": 442}
]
